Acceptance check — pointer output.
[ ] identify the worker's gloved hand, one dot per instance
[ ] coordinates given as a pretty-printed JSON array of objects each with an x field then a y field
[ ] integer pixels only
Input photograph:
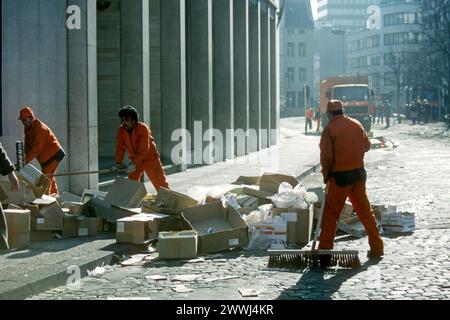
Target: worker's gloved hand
[
  {"x": 116, "y": 168},
  {"x": 131, "y": 167}
]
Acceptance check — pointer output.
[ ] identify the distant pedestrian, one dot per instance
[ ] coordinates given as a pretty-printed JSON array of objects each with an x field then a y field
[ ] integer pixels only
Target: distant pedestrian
[
  {"x": 6, "y": 168},
  {"x": 387, "y": 113},
  {"x": 309, "y": 119},
  {"x": 380, "y": 113},
  {"x": 414, "y": 112},
  {"x": 318, "y": 118}
]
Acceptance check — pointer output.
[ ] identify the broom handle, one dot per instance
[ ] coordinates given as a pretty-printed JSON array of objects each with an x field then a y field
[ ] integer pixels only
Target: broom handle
[
  {"x": 84, "y": 173},
  {"x": 319, "y": 220}
]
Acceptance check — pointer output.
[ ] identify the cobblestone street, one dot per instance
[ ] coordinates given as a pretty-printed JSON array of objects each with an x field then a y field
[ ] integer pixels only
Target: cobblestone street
[{"x": 415, "y": 177}]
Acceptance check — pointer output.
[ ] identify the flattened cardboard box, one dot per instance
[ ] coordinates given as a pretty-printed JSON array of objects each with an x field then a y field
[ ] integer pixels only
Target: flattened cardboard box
[
  {"x": 218, "y": 228},
  {"x": 269, "y": 184},
  {"x": 299, "y": 223},
  {"x": 138, "y": 229},
  {"x": 118, "y": 213},
  {"x": 246, "y": 180},
  {"x": 18, "y": 222},
  {"x": 126, "y": 193},
  {"x": 177, "y": 244}
]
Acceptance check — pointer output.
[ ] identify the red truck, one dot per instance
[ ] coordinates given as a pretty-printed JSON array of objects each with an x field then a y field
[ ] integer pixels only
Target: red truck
[{"x": 355, "y": 94}]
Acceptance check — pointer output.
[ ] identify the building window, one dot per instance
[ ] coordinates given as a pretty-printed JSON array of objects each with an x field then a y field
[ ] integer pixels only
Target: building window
[
  {"x": 302, "y": 49},
  {"x": 290, "y": 97},
  {"x": 290, "y": 74},
  {"x": 290, "y": 49},
  {"x": 302, "y": 74}
]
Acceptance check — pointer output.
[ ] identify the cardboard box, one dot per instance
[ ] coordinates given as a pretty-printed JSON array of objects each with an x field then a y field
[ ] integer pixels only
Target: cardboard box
[
  {"x": 177, "y": 245},
  {"x": 75, "y": 208},
  {"x": 245, "y": 180},
  {"x": 171, "y": 203},
  {"x": 268, "y": 185},
  {"x": 70, "y": 226},
  {"x": 88, "y": 226},
  {"x": 18, "y": 222},
  {"x": 92, "y": 194},
  {"x": 137, "y": 229},
  {"x": 70, "y": 197},
  {"x": 117, "y": 213},
  {"x": 37, "y": 236},
  {"x": 350, "y": 224},
  {"x": 218, "y": 228},
  {"x": 97, "y": 207},
  {"x": 299, "y": 223},
  {"x": 23, "y": 195},
  {"x": 398, "y": 222},
  {"x": 45, "y": 216},
  {"x": 126, "y": 193},
  {"x": 35, "y": 179}
]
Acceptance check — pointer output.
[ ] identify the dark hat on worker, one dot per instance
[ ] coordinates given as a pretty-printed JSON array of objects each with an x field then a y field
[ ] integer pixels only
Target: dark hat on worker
[
  {"x": 26, "y": 112},
  {"x": 334, "y": 105}
]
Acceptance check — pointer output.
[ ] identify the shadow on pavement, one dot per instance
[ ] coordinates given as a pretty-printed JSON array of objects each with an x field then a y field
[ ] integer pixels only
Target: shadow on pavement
[
  {"x": 53, "y": 246},
  {"x": 321, "y": 284}
]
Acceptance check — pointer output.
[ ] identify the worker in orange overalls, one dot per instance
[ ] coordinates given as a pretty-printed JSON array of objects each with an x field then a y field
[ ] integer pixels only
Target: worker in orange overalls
[
  {"x": 342, "y": 147},
  {"x": 308, "y": 120},
  {"x": 41, "y": 143},
  {"x": 137, "y": 138}
]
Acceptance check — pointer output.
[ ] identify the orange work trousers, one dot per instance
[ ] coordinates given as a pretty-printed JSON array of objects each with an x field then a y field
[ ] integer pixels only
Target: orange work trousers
[
  {"x": 334, "y": 203},
  {"x": 155, "y": 172},
  {"x": 51, "y": 169}
]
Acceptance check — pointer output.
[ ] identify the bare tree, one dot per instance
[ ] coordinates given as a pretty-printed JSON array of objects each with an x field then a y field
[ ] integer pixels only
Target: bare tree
[{"x": 436, "y": 29}]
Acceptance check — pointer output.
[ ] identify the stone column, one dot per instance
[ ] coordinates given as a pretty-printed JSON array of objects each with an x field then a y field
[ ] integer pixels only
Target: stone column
[
  {"x": 241, "y": 74},
  {"x": 155, "y": 72},
  {"x": 135, "y": 70},
  {"x": 200, "y": 68},
  {"x": 274, "y": 79},
  {"x": 173, "y": 78},
  {"x": 265, "y": 76},
  {"x": 254, "y": 142},
  {"x": 82, "y": 98},
  {"x": 223, "y": 84}
]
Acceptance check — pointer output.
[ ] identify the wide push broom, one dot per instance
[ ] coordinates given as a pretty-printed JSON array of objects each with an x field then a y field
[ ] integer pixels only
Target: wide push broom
[{"x": 303, "y": 259}]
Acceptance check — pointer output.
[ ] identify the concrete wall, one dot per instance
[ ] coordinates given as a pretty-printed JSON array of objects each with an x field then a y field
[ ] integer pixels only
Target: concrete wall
[{"x": 34, "y": 69}]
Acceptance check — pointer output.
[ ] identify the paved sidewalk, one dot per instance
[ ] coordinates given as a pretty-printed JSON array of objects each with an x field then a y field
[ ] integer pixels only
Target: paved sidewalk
[{"x": 44, "y": 264}]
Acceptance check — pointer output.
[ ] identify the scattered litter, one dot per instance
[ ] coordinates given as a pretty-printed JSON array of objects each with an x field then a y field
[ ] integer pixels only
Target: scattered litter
[
  {"x": 186, "y": 277},
  {"x": 220, "y": 278},
  {"x": 99, "y": 271},
  {"x": 248, "y": 292},
  {"x": 156, "y": 278},
  {"x": 220, "y": 260},
  {"x": 398, "y": 222},
  {"x": 198, "y": 260},
  {"x": 137, "y": 260},
  {"x": 182, "y": 289}
]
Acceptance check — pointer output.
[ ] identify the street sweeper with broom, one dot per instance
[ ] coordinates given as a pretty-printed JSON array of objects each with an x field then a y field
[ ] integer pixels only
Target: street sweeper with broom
[{"x": 343, "y": 145}]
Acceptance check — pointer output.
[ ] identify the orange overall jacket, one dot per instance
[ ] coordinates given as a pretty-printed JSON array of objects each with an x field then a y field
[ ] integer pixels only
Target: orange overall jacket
[
  {"x": 40, "y": 142},
  {"x": 343, "y": 145},
  {"x": 139, "y": 144}
]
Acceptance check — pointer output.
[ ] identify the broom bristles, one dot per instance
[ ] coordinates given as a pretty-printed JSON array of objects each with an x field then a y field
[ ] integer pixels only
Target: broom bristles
[{"x": 299, "y": 260}]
